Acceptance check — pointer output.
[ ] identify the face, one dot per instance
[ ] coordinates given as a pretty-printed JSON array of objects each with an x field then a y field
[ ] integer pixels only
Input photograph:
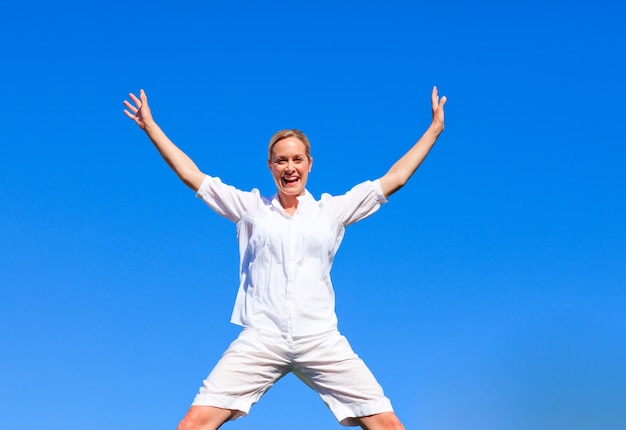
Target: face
[{"x": 290, "y": 166}]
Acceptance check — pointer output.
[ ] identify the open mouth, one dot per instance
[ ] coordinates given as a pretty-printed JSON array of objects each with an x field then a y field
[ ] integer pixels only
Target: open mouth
[{"x": 289, "y": 181}]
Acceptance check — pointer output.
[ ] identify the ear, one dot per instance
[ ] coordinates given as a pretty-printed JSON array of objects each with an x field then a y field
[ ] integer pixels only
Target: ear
[{"x": 310, "y": 164}]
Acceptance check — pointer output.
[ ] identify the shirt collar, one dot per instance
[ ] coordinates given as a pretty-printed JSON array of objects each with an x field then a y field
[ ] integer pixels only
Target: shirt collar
[{"x": 305, "y": 199}]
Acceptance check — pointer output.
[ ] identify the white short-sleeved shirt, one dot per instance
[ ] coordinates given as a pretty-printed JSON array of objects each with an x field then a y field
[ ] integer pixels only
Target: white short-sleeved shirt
[{"x": 285, "y": 260}]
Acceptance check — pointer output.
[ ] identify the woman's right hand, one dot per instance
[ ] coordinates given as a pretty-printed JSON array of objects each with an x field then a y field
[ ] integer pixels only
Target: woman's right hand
[{"x": 139, "y": 111}]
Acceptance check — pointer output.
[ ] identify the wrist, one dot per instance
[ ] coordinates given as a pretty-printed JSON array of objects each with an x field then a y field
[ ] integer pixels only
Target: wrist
[
  {"x": 435, "y": 128},
  {"x": 149, "y": 125}
]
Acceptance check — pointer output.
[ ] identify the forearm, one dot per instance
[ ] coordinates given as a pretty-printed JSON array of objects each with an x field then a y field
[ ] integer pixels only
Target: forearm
[
  {"x": 403, "y": 169},
  {"x": 180, "y": 163}
]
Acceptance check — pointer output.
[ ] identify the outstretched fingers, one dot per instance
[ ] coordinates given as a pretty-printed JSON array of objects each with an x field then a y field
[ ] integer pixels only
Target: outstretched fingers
[
  {"x": 131, "y": 110},
  {"x": 134, "y": 98},
  {"x": 437, "y": 107},
  {"x": 436, "y": 101},
  {"x": 137, "y": 108}
]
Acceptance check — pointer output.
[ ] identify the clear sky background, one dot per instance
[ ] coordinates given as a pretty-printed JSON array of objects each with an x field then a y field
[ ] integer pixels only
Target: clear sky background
[{"x": 489, "y": 294}]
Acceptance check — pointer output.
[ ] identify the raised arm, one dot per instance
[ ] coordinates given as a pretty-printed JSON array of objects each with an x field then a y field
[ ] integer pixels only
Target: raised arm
[
  {"x": 404, "y": 168},
  {"x": 181, "y": 164}
]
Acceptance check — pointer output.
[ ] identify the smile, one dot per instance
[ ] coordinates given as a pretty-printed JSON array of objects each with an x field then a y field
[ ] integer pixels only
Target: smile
[{"x": 290, "y": 181}]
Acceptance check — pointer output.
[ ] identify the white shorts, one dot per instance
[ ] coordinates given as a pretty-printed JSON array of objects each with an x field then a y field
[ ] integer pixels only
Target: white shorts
[{"x": 325, "y": 362}]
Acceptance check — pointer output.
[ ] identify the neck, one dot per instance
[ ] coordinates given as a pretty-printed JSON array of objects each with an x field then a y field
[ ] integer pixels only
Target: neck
[{"x": 289, "y": 203}]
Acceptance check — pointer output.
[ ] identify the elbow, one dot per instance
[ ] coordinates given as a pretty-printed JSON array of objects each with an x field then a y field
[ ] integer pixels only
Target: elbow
[
  {"x": 392, "y": 182},
  {"x": 192, "y": 178},
  {"x": 395, "y": 188}
]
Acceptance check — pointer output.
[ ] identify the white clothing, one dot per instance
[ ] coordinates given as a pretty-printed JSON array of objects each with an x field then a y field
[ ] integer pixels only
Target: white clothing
[
  {"x": 325, "y": 362},
  {"x": 285, "y": 260}
]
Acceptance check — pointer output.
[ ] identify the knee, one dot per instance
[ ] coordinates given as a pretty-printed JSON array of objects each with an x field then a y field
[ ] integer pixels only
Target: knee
[
  {"x": 195, "y": 419},
  {"x": 204, "y": 418},
  {"x": 189, "y": 422},
  {"x": 384, "y": 421},
  {"x": 393, "y": 423}
]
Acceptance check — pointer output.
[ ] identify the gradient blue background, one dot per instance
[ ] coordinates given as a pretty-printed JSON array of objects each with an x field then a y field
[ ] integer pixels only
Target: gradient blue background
[{"x": 489, "y": 294}]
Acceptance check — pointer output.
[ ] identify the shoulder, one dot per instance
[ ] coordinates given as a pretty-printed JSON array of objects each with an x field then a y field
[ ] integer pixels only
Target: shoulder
[
  {"x": 227, "y": 200},
  {"x": 358, "y": 203},
  {"x": 363, "y": 190}
]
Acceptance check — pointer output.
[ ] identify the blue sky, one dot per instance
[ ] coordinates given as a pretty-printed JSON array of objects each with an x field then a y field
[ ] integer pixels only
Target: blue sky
[{"x": 490, "y": 293}]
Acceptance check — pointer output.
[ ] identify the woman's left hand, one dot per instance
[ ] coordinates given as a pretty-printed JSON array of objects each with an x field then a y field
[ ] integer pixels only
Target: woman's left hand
[{"x": 437, "y": 106}]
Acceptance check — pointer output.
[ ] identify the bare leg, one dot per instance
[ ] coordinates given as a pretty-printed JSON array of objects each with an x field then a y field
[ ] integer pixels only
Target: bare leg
[
  {"x": 384, "y": 421},
  {"x": 205, "y": 418}
]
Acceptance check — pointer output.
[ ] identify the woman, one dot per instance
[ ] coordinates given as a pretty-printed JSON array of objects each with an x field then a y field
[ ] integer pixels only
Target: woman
[{"x": 285, "y": 301}]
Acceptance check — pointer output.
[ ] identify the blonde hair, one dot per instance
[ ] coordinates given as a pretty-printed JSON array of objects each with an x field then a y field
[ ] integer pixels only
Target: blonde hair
[{"x": 283, "y": 134}]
